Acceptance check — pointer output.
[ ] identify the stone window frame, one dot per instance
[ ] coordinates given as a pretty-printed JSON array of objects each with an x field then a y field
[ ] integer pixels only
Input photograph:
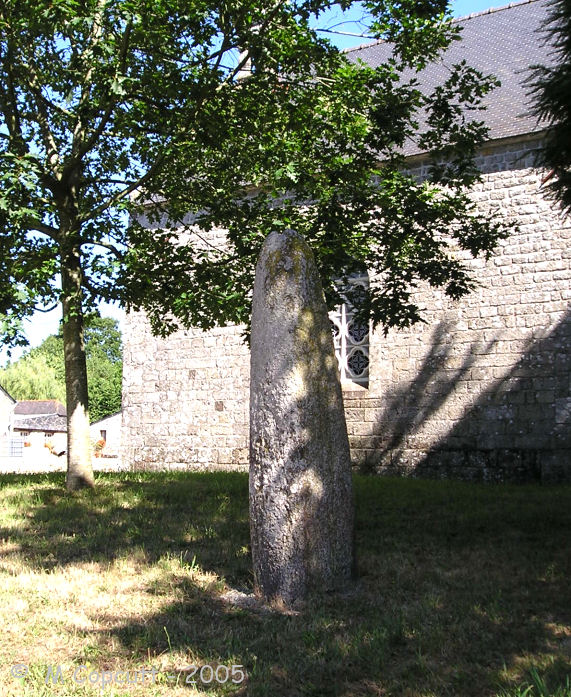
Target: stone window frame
[{"x": 351, "y": 348}]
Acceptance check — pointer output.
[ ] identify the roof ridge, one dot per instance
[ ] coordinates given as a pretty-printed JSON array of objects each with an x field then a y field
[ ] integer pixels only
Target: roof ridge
[
  {"x": 455, "y": 20},
  {"x": 5, "y": 391},
  {"x": 491, "y": 10},
  {"x": 33, "y": 401},
  {"x": 48, "y": 399}
]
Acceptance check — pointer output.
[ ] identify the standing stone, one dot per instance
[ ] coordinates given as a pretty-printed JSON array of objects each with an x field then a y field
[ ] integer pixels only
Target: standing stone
[{"x": 301, "y": 507}]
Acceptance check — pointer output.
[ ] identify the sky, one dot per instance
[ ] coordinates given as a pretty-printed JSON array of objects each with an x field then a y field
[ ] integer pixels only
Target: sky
[
  {"x": 349, "y": 21},
  {"x": 41, "y": 325}
]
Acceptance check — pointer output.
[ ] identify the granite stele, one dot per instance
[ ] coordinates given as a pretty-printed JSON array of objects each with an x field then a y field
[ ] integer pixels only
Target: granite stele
[{"x": 301, "y": 509}]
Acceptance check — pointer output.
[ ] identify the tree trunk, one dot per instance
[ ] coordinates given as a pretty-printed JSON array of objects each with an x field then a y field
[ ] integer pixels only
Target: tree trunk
[{"x": 79, "y": 466}]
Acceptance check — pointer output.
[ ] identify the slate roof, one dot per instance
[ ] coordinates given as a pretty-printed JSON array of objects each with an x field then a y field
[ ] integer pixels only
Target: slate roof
[
  {"x": 46, "y": 422},
  {"x": 503, "y": 41},
  {"x": 37, "y": 407}
]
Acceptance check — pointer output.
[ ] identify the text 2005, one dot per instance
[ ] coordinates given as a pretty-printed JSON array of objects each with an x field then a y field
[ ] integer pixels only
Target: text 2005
[{"x": 207, "y": 674}]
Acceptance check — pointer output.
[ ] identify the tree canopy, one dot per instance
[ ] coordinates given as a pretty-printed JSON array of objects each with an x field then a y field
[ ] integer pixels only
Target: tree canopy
[
  {"x": 40, "y": 372},
  {"x": 32, "y": 377},
  {"x": 203, "y": 116},
  {"x": 552, "y": 93}
]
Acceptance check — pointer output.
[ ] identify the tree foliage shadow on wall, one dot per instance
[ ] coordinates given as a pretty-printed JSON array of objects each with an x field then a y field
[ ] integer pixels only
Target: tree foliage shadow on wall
[{"x": 518, "y": 427}]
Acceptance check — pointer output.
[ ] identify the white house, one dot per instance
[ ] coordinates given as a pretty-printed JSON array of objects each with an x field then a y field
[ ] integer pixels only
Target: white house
[
  {"x": 107, "y": 431},
  {"x": 7, "y": 404},
  {"x": 41, "y": 425}
]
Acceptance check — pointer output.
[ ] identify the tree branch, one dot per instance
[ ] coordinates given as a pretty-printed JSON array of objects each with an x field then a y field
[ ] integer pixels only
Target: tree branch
[
  {"x": 105, "y": 245},
  {"x": 160, "y": 159},
  {"x": 10, "y": 107},
  {"x": 42, "y": 117},
  {"x": 31, "y": 223},
  {"x": 47, "y": 309},
  {"x": 263, "y": 26},
  {"x": 81, "y": 149}
]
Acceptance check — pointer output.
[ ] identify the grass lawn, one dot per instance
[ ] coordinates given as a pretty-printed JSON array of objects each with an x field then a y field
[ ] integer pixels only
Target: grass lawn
[{"x": 462, "y": 590}]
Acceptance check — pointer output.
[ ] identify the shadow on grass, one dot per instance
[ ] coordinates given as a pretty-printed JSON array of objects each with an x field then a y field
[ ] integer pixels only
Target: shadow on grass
[
  {"x": 461, "y": 588},
  {"x": 201, "y": 515}
]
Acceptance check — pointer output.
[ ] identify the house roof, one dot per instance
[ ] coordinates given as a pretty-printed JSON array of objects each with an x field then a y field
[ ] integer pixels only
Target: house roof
[
  {"x": 503, "y": 42},
  {"x": 45, "y": 422},
  {"x": 37, "y": 407}
]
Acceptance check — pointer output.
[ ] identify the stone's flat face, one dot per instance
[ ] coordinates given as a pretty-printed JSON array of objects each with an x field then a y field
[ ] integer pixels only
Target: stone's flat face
[{"x": 301, "y": 508}]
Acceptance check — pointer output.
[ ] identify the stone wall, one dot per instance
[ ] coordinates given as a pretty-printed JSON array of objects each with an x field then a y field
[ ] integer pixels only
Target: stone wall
[
  {"x": 482, "y": 390},
  {"x": 185, "y": 398}
]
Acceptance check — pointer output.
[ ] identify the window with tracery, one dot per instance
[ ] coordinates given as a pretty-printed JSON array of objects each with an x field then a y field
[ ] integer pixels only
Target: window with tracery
[{"x": 351, "y": 336}]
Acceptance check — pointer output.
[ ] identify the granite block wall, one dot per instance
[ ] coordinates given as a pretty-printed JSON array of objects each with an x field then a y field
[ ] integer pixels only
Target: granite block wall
[
  {"x": 480, "y": 391},
  {"x": 185, "y": 398}
]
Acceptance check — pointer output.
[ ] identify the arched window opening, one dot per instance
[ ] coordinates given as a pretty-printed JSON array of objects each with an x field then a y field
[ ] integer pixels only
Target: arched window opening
[{"x": 351, "y": 335}]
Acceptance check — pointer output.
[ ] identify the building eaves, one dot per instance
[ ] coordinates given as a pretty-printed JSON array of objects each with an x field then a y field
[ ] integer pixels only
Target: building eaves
[{"x": 48, "y": 422}]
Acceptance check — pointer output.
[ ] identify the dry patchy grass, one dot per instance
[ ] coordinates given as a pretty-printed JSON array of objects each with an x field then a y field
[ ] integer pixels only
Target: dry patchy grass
[{"x": 461, "y": 591}]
